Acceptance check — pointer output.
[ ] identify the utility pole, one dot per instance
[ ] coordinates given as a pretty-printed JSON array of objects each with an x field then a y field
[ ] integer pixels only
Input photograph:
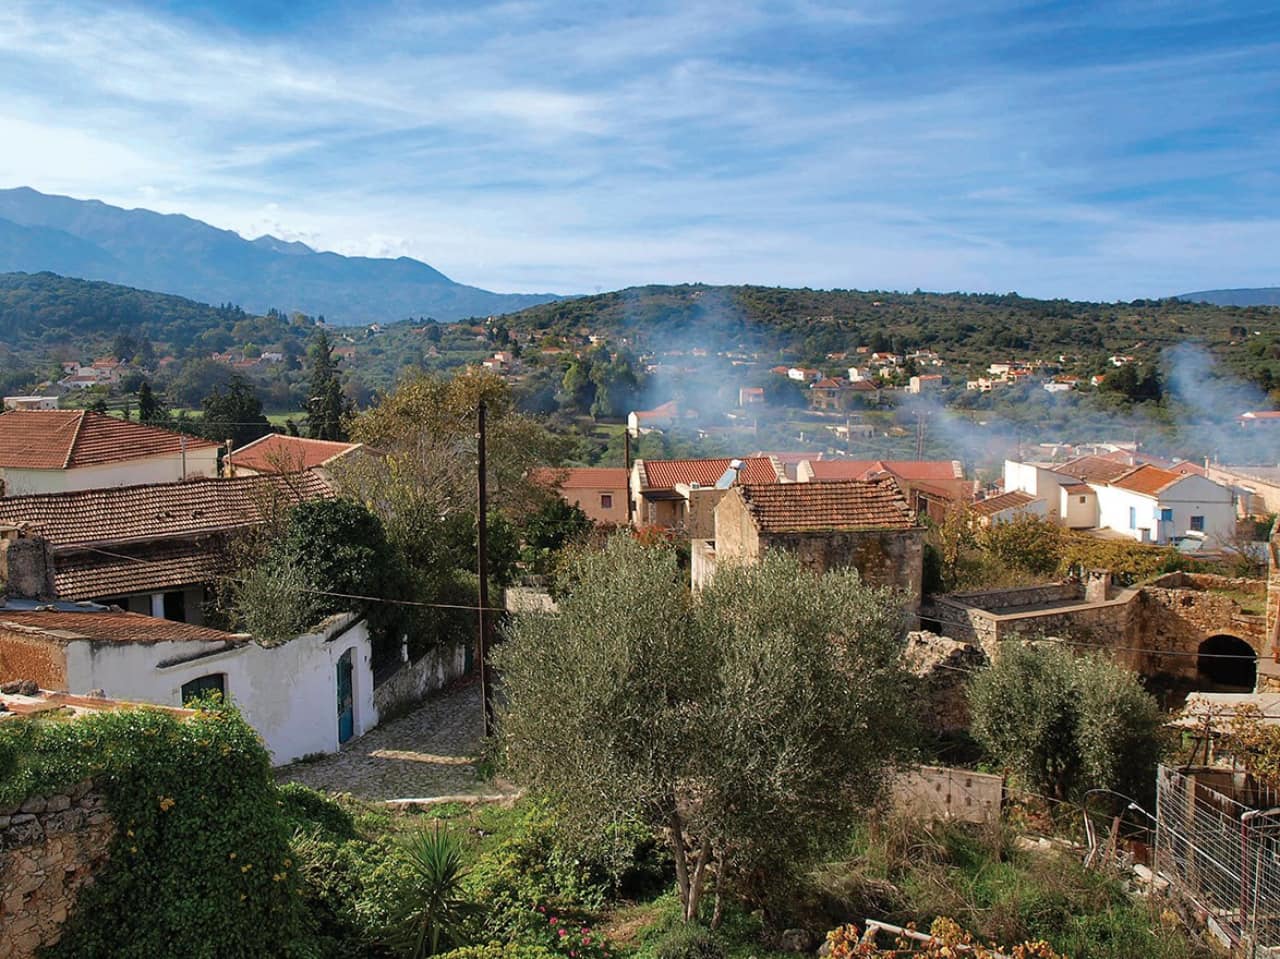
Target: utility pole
[
  {"x": 482, "y": 567},
  {"x": 626, "y": 459},
  {"x": 920, "y": 435}
]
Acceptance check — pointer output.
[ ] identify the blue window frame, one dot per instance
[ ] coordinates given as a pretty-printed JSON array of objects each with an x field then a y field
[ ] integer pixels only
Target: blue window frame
[
  {"x": 1133, "y": 517},
  {"x": 1166, "y": 515}
]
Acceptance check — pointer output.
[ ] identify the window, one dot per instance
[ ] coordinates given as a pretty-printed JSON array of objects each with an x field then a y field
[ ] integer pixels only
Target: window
[
  {"x": 175, "y": 607},
  {"x": 1166, "y": 515},
  {"x": 606, "y": 501},
  {"x": 1197, "y": 524},
  {"x": 1082, "y": 499},
  {"x": 214, "y": 682},
  {"x": 1133, "y": 518}
]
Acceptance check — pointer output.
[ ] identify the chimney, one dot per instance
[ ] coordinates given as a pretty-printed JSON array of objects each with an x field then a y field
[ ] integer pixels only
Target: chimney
[
  {"x": 1097, "y": 586},
  {"x": 26, "y": 565}
]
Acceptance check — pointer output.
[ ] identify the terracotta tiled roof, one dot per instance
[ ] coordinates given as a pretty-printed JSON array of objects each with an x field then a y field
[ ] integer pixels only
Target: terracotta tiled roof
[
  {"x": 812, "y": 507},
  {"x": 925, "y": 470},
  {"x": 582, "y": 477},
  {"x": 66, "y": 439},
  {"x": 126, "y": 514},
  {"x": 829, "y": 383},
  {"x": 1147, "y": 480},
  {"x": 277, "y": 453},
  {"x": 174, "y": 564},
  {"x": 110, "y": 627},
  {"x": 665, "y": 411},
  {"x": 1093, "y": 469},
  {"x": 667, "y": 474},
  {"x": 1077, "y": 488},
  {"x": 1014, "y": 499}
]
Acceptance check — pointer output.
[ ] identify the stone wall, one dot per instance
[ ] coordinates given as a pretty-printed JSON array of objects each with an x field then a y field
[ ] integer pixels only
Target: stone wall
[
  {"x": 883, "y": 557},
  {"x": 27, "y": 656},
  {"x": 998, "y": 600},
  {"x": 49, "y": 848},
  {"x": 1179, "y": 619},
  {"x": 943, "y": 668},
  {"x": 414, "y": 681}
]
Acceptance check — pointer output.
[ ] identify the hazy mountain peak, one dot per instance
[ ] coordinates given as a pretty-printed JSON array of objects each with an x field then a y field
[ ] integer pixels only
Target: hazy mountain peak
[{"x": 173, "y": 253}]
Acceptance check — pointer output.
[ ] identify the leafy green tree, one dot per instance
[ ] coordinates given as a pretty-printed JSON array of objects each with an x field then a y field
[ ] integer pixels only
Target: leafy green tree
[
  {"x": 1062, "y": 724},
  {"x": 234, "y": 412},
  {"x": 432, "y": 907},
  {"x": 326, "y": 404},
  {"x": 749, "y": 723},
  {"x": 1025, "y": 543}
]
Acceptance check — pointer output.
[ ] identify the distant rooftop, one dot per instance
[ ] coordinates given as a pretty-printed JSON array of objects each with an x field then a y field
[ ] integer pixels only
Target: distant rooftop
[{"x": 68, "y": 439}]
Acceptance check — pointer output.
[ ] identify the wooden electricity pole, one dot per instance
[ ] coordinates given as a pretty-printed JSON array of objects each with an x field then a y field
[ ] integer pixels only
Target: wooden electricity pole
[{"x": 482, "y": 568}]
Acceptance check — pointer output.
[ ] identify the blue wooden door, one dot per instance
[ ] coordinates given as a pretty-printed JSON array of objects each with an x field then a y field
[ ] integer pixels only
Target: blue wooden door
[{"x": 346, "y": 705}]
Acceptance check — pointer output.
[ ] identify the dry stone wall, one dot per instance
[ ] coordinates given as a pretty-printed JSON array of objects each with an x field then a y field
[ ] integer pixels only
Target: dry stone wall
[
  {"x": 50, "y": 847},
  {"x": 413, "y": 682}
]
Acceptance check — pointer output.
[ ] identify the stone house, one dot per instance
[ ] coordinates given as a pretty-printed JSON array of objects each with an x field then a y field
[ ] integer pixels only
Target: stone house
[
  {"x": 863, "y": 524},
  {"x": 930, "y": 486},
  {"x": 600, "y": 492},
  {"x": 660, "y": 489},
  {"x": 58, "y": 451},
  {"x": 304, "y": 696},
  {"x": 154, "y": 549}
]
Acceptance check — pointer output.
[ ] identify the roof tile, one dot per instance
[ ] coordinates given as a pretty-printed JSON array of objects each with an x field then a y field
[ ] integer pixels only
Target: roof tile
[
  {"x": 667, "y": 474},
  {"x": 111, "y": 627},
  {"x": 67, "y": 439},
  {"x": 837, "y": 505}
]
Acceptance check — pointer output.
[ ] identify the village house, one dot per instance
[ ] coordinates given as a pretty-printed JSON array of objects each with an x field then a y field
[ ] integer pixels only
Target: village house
[
  {"x": 30, "y": 402},
  {"x": 830, "y": 394},
  {"x": 1006, "y": 507},
  {"x": 750, "y": 396},
  {"x": 53, "y": 451},
  {"x": 156, "y": 549},
  {"x": 600, "y": 492},
  {"x": 277, "y": 453},
  {"x": 1259, "y": 419},
  {"x": 1257, "y": 488},
  {"x": 927, "y": 383},
  {"x": 308, "y": 695},
  {"x": 659, "y": 418},
  {"x": 930, "y": 487},
  {"x": 1147, "y": 502},
  {"x": 661, "y": 489},
  {"x": 864, "y": 525}
]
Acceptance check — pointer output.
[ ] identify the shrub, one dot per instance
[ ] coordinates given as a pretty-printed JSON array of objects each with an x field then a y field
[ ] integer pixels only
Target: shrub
[
  {"x": 1063, "y": 724},
  {"x": 688, "y": 940},
  {"x": 501, "y": 950},
  {"x": 431, "y": 908},
  {"x": 200, "y": 864}
]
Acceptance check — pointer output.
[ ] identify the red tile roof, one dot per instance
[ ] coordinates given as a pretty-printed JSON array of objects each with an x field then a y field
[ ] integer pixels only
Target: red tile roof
[
  {"x": 125, "y": 514},
  {"x": 667, "y": 474},
  {"x": 175, "y": 564},
  {"x": 582, "y": 477},
  {"x": 110, "y": 627},
  {"x": 1147, "y": 480},
  {"x": 1093, "y": 469},
  {"x": 667, "y": 410},
  {"x": 825, "y": 471},
  {"x": 1014, "y": 499},
  {"x": 814, "y": 507},
  {"x": 277, "y": 453},
  {"x": 67, "y": 439}
]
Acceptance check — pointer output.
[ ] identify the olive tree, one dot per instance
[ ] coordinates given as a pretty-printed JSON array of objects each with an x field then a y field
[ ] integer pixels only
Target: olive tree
[
  {"x": 1063, "y": 723},
  {"x": 748, "y": 723}
]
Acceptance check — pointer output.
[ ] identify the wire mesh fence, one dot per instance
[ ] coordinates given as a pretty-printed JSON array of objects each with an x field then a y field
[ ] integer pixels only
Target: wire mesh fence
[{"x": 1223, "y": 855}]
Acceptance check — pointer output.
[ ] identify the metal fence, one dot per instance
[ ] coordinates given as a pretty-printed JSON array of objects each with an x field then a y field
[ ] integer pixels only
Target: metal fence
[{"x": 1222, "y": 855}]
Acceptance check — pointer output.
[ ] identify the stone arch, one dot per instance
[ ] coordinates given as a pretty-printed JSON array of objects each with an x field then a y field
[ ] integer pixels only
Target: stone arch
[{"x": 1226, "y": 663}]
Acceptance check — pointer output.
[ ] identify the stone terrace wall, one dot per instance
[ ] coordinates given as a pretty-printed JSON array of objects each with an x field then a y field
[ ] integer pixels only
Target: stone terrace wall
[
  {"x": 414, "y": 681},
  {"x": 1109, "y": 623},
  {"x": 1008, "y": 600},
  {"x": 1182, "y": 611},
  {"x": 49, "y": 848}
]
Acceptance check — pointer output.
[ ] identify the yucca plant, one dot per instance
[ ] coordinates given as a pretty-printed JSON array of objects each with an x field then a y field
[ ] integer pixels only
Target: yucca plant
[{"x": 433, "y": 909}]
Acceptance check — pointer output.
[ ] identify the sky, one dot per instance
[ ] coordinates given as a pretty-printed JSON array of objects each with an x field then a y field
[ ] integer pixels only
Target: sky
[{"x": 1087, "y": 150}]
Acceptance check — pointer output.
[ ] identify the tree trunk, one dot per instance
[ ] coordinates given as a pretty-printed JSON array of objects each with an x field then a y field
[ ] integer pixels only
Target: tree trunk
[
  {"x": 695, "y": 885},
  {"x": 676, "y": 830}
]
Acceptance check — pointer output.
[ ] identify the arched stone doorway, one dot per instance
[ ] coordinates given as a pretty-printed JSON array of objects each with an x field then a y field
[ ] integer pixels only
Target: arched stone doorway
[{"x": 1226, "y": 664}]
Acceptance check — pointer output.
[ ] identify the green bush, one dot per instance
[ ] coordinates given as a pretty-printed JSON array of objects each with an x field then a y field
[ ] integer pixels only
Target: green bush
[
  {"x": 306, "y": 808},
  {"x": 200, "y": 864},
  {"x": 501, "y": 950},
  {"x": 688, "y": 940}
]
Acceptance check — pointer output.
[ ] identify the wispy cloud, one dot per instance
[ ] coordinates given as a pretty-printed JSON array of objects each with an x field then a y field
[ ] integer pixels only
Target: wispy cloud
[{"x": 1102, "y": 150}]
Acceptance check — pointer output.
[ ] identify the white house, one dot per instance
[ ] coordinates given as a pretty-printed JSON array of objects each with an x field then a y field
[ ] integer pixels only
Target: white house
[
  {"x": 304, "y": 696},
  {"x": 1040, "y": 482},
  {"x": 58, "y": 451},
  {"x": 1153, "y": 504},
  {"x": 30, "y": 402}
]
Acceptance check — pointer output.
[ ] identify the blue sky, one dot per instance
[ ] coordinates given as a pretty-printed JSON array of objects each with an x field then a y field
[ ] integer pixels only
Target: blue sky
[{"x": 1111, "y": 150}]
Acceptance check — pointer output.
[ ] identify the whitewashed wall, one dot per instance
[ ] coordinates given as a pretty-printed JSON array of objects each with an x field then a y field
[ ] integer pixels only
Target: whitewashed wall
[
  {"x": 153, "y": 469},
  {"x": 288, "y": 693},
  {"x": 1192, "y": 496}
]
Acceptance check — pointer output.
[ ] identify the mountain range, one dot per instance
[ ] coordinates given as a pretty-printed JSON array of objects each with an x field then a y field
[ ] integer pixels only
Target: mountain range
[
  {"x": 171, "y": 253},
  {"x": 1260, "y": 296}
]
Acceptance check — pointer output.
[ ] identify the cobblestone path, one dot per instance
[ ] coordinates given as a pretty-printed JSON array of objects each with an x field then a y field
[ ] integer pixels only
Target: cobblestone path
[{"x": 428, "y": 753}]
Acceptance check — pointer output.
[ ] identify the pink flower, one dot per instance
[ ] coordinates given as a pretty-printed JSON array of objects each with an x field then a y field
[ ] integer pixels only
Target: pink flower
[
  {"x": 553, "y": 920},
  {"x": 585, "y": 930},
  {"x": 563, "y": 933},
  {"x": 542, "y": 909},
  {"x": 586, "y": 940}
]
